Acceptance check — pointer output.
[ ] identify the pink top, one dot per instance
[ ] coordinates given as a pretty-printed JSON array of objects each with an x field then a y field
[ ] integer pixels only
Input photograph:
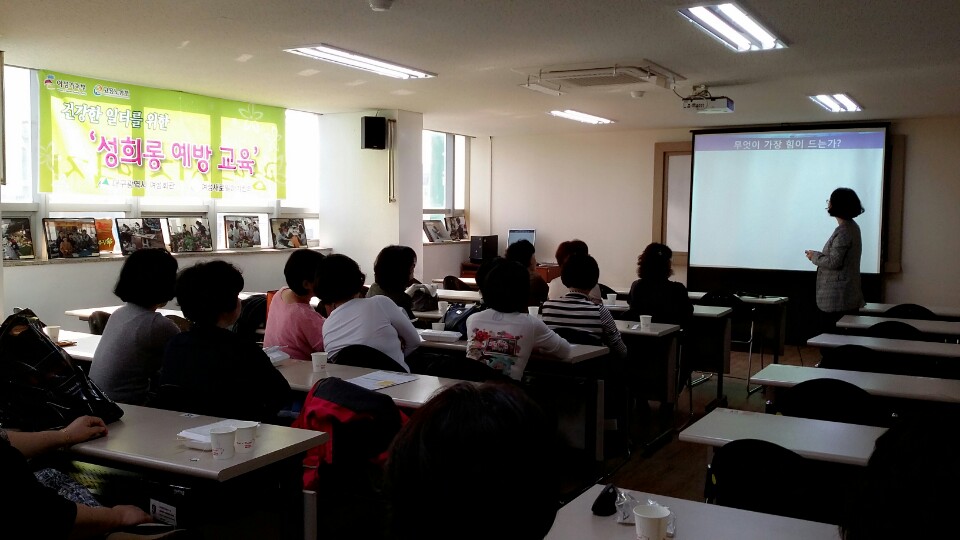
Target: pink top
[{"x": 296, "y": 327}]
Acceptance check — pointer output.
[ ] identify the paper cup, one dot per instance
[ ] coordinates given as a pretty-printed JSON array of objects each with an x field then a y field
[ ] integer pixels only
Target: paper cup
[
  {"x": 534, "y": 310},
  {"x": 319, "y": 360},
  {"x": 246, "y": 436},
  {"x": 439, "y": 326},
  {"x": 612, "y": 298},
  {"x": 221, "y": 442},
  {"x": 651, "y": 521},
  {"x": 53, "y": 332},
  {"x": 443, "y": 306},
  {"x": 645, "y": 321}
]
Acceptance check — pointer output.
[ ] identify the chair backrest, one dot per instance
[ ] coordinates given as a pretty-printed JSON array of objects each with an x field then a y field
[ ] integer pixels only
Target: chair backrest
[
  {"x": 253, "y": 315},
  {"x": 97, "y": 322},
  {"x": 453, "y": 367},
  {"x": 732, "y": 478},
  {"x": 604, "y": 290},
  {"x": 454, "y": 283},
  {"x": 910, "y": 311},
  {"x": 183, "y": 324},
  {"x": 832, "y": 400},
  {"x": 851, "y": 358},
  {"x": 895, "y": 330},
  {"x": 742, "y": 316},
  {"x": 270, "y": 295},
  {"x": 365, "y": 356},
  {"x": 576, "y": 336}
]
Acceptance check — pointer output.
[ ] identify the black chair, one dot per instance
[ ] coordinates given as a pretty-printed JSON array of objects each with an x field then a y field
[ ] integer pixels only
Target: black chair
[
  {"x": 97, "y": 322},
  {"x": 454, "y": 283},
  {"x": 366, "y": 357},
  {"x": 449, "y": 366},
  {"x": 604, "y": 290},
  {"x": 895, "y": 330},
  {"x": 910, "y": 311},
  {"x": 578, "y": 337},
  {"x": 832, "y": 400},
  {"x": 742, "y": 324}
]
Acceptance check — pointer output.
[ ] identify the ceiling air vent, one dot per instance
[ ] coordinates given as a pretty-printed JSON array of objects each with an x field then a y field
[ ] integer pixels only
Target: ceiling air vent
[{"x": 612, "y": 76}]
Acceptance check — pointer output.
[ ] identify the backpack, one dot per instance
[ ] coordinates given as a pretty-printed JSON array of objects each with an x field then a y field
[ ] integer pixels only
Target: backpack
[
  {"x": 40, "y": 386},
  {"x": 455, "y": 319}
]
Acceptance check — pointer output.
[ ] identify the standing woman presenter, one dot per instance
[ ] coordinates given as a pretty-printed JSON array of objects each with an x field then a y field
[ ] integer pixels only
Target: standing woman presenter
[{"x": 838, "y": 265}]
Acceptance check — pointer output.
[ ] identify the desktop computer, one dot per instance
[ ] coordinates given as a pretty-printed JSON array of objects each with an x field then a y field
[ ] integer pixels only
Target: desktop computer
[{"x": 483, "y": 247}]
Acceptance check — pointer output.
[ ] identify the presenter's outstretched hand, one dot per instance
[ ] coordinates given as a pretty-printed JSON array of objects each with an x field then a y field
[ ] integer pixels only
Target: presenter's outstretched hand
[{"x": 809, "y": 253}]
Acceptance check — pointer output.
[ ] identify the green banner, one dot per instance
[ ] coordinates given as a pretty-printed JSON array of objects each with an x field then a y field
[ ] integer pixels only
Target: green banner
[{"x": 103, "y": 137}]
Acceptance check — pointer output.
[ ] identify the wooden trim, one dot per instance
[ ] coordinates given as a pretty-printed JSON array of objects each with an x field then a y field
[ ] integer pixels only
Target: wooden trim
[{"x": 661, "y": 152}]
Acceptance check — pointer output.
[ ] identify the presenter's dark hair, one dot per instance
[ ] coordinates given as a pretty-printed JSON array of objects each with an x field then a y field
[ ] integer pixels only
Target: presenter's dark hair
[
  {"x": 845, "y": 204},
  {"x": 205, "y": 291},
  {"x": 148, "y": 278},
  {"x": 391, "y": 270},
  {"x": 492, "y": 438},
  {"x": 580, "y": 272},
  {"x": 342, "y": 279},
  {"x": 570, "y": 247},
  {"x": 485, "y": 266},
  {"x": 302, "y": 265},
  {"x": 520, "y": 251},
  {"x": 506, "y": 287},
  {"x": 654, "y": 262}
]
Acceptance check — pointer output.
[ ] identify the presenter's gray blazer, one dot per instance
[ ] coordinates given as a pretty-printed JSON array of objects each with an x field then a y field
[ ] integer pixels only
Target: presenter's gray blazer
[{"x": 838, "y": 270}]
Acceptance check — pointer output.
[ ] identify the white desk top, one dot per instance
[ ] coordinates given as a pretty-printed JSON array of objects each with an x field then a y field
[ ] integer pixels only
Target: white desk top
[
  {"x": 694, "y": 521},
  {"x": 147, "y": 438},
  {"x": 815, "y": 439},
  {"x": 84, "y": 313},
  {"x": 945, "y": 328},
  {"x": 770, "y": 300},
  {"x": 711, "y": 311},
  {"x": 579, "y": 353},
  {"x": 632, "y": 328},
  {"x": 86, "y": 344},
  {"x": 468, "y": 280},
  {"x": 878, "y": 384},
  {"x": 944, "y": 311},
  {"x": 412, "y": 394},
  {"x": 458, "y": 296},
  {"x": 898, "y": 346}
]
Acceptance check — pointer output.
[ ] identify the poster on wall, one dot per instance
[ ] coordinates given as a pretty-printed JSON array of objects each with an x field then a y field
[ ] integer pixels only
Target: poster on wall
[
  {"x": 71, "y": 238},
  {"x": 17, "y": 239},
  {"x": 101, "y": 137},
  {"x": 242, "y": 231},
  {"x": 288, "y": 233},
  {"x": 105, "y": 239},
  {"x": 139, "y": 233},
  {"x": 189, "y": 234}
]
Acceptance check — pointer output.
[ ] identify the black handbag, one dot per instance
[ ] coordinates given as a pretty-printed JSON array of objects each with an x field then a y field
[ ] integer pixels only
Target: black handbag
[
  {"x": 40, "y": 386},
  {"x": 455, "y": 319}
]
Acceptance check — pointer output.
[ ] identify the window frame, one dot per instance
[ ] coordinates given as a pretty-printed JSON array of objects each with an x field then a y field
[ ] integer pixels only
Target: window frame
[{"x": 449, "y": 191}]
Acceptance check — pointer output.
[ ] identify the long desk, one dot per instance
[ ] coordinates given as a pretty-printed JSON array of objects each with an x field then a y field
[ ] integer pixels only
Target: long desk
[
  {"x": 694, "y": 521},
  {"x": 458, "y": 296},
  {"x": 941, "y": 311},
  {"x": 86, "y": 345},
  {"x": 896, "y": 346},
  {"x": 937, "y": 328},
  {"x": 815, "y": 439},
  {"x": 84, "y": 313},
  {"x": 771, "y": 312},
  {"x": 301, "y": 377},
  {"x": 878, "y": 384}
]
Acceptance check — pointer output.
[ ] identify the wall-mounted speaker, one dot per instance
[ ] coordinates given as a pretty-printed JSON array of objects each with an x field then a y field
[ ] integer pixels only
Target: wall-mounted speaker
[{"x": 373, "y": 132}]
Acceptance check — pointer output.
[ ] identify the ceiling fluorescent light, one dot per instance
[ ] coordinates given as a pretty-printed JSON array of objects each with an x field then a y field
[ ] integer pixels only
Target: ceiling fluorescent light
[
  {"x": 366, "y": 63},
  {"x": 543, "y": 88},
  {"x": 836, "y": 103},
  {"x": 732, "y": 27},
  {"x": 581, "y": 117}
]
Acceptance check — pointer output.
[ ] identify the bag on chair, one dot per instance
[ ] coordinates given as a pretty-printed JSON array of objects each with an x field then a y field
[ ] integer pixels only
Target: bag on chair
[
  {"x": 40, "y": 386},
  {"x": 455, "y": 319}
]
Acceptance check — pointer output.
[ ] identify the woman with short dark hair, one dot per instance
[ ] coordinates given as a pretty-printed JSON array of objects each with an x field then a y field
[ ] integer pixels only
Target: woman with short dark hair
[
  {"x": 393, "y": 276},
  {"x": 566, "y": 250},
  {"x": 654, "y": 294},
  {"x": 130, "y": 352},
  {"x": 293, "y": 324},
  {"x": 523, "y": 252}
]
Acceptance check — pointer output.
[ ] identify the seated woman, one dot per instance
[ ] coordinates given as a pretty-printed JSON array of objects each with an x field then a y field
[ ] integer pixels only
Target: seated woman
[
  {"x": 492, "y": 437},
  {"x": 130, "y": 353},
  {"x": 654, "y": 294},
  {"x": 375, "y": 322},
  {"x": 577, "y": 311},
  {"x": 40, "y": 512},
  {"x": 523, "y": 252},
  {"x": 504, "y": 335},
  {"x": 393, "y": 276},
  {"x": 293, "y": 323},
  {"x": 211, "y": 370},
  {"x": 564, "y": 251}
]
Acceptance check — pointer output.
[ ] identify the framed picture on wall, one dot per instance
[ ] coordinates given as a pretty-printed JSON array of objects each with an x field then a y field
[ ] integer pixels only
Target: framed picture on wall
[
  {"x": 17, "y": 239},
  {"x": 139, "y": 233},
  {"x": 69, "y": 238},
  {"x": 241, "y": 232},
  {"x": 288, "y": 233},
  {"x": 457, "y": 225},
  {"x": 189, "y": 234},
  {"x": 435, "y": 230},
  {"x": 105, "y": 238}
]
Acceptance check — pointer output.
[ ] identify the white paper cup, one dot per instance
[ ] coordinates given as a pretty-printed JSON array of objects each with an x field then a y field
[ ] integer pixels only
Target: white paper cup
[
  {"x": 443, "y": 306},
  {"x": 612, "y": 298},
  {"x": 645, "y": 321},
  {"x": 246, "y": 436},
  {"x": 319, "y": 360},
  {"x": 53, "y": 332},
  {"x": 534, "y": 310},
  {"x": 221, "y": 442},
  {"x": 439, "y": 326},
  {"x": 651, "y": 521}
]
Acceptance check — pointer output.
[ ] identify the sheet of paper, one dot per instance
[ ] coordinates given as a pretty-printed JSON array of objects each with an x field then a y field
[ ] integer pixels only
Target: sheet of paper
[{"x": 382, "y": 379}]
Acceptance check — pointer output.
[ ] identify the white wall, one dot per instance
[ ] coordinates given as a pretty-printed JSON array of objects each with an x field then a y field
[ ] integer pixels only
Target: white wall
[
  {"x": 441, "y": 260},
  {"x": 356, "y": 217},
  {"x": 596, "y": 187}
]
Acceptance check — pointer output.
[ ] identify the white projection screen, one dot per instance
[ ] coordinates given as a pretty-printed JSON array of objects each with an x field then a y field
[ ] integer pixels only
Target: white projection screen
[{"x": 758, "y": 198}]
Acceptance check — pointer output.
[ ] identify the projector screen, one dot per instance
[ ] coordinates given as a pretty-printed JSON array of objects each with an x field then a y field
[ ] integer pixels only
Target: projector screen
[{"x": 758, "y": 198}]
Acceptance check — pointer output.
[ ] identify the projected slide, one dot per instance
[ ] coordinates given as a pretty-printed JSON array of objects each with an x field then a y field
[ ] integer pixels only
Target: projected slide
[{"x": 759, "y": 198}]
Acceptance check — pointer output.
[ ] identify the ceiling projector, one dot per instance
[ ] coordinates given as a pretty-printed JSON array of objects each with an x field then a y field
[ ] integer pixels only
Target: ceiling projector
[{"x": 708, "y": 104}]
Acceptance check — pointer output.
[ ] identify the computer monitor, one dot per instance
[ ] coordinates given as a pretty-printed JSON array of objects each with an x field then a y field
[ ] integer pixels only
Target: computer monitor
[{"x": 514, "y": 235}]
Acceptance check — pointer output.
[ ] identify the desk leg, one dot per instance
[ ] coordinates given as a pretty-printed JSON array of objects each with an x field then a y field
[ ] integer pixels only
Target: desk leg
[
  {"x": 673, "y": 381},
  {"x": 724, "y": 366}
]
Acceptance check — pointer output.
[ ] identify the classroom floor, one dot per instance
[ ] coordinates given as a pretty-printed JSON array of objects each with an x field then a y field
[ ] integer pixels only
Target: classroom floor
[{"x": 677, "y": 469}]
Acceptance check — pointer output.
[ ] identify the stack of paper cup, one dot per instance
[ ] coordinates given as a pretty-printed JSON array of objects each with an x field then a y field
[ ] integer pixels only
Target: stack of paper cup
[
  {"x": 222, "y": 441},
  {"x": 53, "y": 332},
  {"x": 651, "y": 521},
  {"x": 443, "y": 306},
  {"x": 645, "y": 321},
  {"x": 319, "y": 360},
  {"x": 246, "y": 436},
  {"x": 611, "y": 299}
]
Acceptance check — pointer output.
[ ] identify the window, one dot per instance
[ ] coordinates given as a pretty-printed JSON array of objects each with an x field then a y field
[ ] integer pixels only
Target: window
[
  {"x": 18, "y": 132},
  {"x": 446, "y": 160}
]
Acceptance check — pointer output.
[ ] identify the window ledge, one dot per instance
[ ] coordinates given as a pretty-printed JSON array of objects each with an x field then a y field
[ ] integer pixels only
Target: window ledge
[
  {"x": 189, "y": 255},
  {"x": 446, "y": 243}
]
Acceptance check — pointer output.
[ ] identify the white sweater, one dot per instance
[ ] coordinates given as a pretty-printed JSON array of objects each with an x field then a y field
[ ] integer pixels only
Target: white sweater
[{"x": 504, "y": 341}]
